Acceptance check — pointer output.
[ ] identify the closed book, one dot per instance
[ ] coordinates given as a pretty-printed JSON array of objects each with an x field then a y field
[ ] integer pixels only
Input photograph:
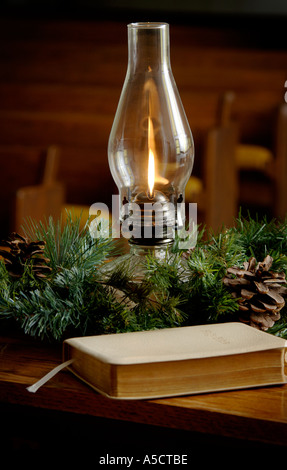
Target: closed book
[{"x": 178, "y": 361}]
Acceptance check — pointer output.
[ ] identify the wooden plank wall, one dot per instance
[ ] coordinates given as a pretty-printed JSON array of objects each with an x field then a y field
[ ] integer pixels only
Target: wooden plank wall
[{"x": 60, "y": 82}]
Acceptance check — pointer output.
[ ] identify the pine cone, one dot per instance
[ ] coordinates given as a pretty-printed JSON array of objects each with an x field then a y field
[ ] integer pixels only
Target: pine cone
[
  {"x": 259, "y": 292},
  {"x": 22, "y": 251}
]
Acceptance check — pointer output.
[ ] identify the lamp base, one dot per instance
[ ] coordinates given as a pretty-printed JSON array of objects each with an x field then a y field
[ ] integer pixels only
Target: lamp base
[{"x": 135, "y": 260}]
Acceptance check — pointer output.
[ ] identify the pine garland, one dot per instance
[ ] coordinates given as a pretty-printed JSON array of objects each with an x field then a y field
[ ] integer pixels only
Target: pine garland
[{"x": 184, "y": 289}]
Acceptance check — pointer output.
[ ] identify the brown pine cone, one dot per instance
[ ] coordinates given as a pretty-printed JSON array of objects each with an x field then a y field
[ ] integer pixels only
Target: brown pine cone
[
  {"x": 259, "y": 292},
  {"x": 18, "y": 251}
]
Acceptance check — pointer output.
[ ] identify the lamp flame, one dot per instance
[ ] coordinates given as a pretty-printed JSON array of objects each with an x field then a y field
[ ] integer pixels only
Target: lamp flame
[
  {"x": 151, "y": 173},
  {"x": 151, "y": 162}
]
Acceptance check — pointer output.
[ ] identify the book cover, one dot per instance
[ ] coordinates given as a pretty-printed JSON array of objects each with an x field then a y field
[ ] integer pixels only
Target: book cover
[{"x": 178, "y": 361}]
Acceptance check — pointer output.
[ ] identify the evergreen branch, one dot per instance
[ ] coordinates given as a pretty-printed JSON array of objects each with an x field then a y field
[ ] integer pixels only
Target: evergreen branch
[{"x": 185, "y": 288}]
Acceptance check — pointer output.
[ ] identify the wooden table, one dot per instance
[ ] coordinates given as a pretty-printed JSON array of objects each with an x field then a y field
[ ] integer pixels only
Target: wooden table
[{"x": 255, "y": 418}]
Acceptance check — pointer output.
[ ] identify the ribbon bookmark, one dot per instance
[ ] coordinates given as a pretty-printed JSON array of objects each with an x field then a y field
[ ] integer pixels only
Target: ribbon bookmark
[{"x": 33, "y": 388}]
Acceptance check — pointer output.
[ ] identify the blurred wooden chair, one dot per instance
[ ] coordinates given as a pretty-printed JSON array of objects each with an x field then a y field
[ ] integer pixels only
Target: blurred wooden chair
[
  {"x": 277, "y": 169},
  {"x": 270, "y": 191},
  {"x": 216, "y": 194},
  {"x": 247, "y": 157},
  {"x": 271, "y": 163},
  {"x": 40, "y": 201}
]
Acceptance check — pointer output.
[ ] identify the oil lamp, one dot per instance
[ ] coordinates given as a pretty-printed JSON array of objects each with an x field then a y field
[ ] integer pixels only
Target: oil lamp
[{"x": 150, "y": 147}]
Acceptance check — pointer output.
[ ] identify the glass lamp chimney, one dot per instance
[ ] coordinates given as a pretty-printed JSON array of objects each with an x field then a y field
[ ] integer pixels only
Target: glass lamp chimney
[{"x": 150, "y": 147}]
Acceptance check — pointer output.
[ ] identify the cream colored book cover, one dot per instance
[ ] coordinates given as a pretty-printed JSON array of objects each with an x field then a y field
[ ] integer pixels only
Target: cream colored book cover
[
  {"x": 178, "y": 361},
  {"x": 168, "y": 344}
]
